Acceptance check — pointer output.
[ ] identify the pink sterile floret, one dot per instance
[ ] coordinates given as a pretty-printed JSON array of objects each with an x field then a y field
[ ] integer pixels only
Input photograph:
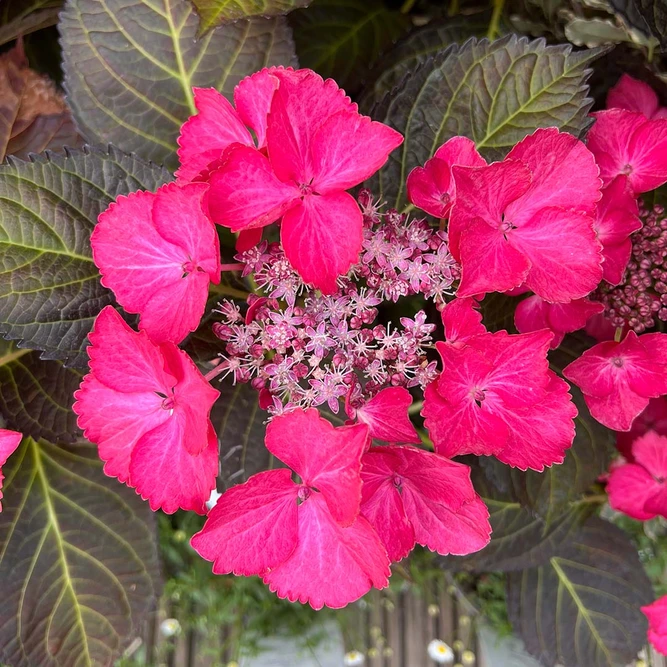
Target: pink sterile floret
[
  {"x": 147, "y": 408},
  {"x": 618, "y": 379},
  {"x": 412, "y": 496},
  {"x": 657, "y": 621},
  {"x": 386, "y": 415},
  {"x": 462, "y": 320},
  {"x": 497, "y": 397},
  {"x": 218, "y": 124},
  {"x": 318, "y": 147},
  {"x": 9, "y": 442},
  {"x": 307, "y": 540},
  {"x": 627, "y": 143},
  {"x": 634, "y": 95},
  {"x": 158, "y": 253},
  {"x": 529, "y": 220},
  {"x": 534, "y": 313},
  {"x": 652, "y": 418},
  {"x": 432, "y": 187},
  {"x": 639, "y": 489},
  {"x": 617, "y": 217}
]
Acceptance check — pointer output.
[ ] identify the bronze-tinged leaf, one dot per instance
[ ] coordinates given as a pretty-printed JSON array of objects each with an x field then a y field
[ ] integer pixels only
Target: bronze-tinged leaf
[
  {"x": 21, "y": 17},
  {"x": 78, "y": 559},
  {"x": 130, "y": 66},
  {"x": 33, "y": 114},
  {"x": 581, "y": 608},
  {"x": 215, "y": 12}
]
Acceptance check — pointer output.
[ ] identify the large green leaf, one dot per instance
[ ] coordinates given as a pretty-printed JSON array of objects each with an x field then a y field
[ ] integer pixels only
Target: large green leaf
[
  {"x": 418, "y": 47},
  {"x": 581, "y": 609},
  {"x": 78, "y": 559},
  {"x": 130, "y": 66},
  {"x": 495, "y": 93},
  {"x": 36, "y": 396},
  {"x": 342, "y": 39},
  {"x": 521, "y": 538},
  {"x": 50, "y": 291},
  {"x": 215, "y": 12}
]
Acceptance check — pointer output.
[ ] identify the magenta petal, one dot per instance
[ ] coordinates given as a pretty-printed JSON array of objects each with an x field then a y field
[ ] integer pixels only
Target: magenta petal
[
  {"x": 9, "y": 442},
  {"x": 252, "y": 97},
  {"x": 648, "y": 147},
  {"x": 300, "y": 106},
  {"x": 460, "y": 151},
  {"x": 650, "y": 451},
  {"x": 656, "y": 503},
  {"x": 253, "y": 526},
  {"x": 326, "y": 458},
  {"x": 564, "y": 175},
  {"x": 205, "y": 136},
  {"x": 165, "y": 474},
  {"x": 633, "y": 95},
  {"x": 386, "y": 415},
  {"x": 347, "y": 149},
  {"x": 245, "y": 192},
  {"x": 322, "y": 238},
  {"x": 462, "y": 320},
  {"x": 331, "y": 566},
  {"x": 618, "y": 410},
  {"x": 628, "y": 487},
  {"x": 657, "y": 618},
  {"x": 428, "y": 187},
  {"x": 564, "y": 253},
  {"x": 653, "y": 418}
]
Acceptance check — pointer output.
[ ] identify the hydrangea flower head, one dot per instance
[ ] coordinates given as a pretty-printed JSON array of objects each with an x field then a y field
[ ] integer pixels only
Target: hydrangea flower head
[
  {"x": 159, "y": 252},
  {"x": 529, "y": 220},
  {"x": 618, "y": 379},
  {"x": 306, "y": 540},
  {"x": 412, "y": 496},
  {"x": 657, "y": 621},
  {"x": 497, "y": 397},
  {"x": 147, "y": 408},
  {"x": 9, "y": 442},
  {"x": 432, "y": 187},
  {"x": 318, "y": 147},
  {"x": 628, "y": 143},
  {"x": 634, "y": 95},
  {"x": 534, "y": 313},
  {"x": 639, "y": 489}
]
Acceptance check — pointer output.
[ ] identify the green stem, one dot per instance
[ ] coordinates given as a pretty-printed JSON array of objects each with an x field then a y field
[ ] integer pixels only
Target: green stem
[
  {"x": 415, "y": 407},
  {"x": 494, "y": 25},
  {"x": 454, "y": 8},
  {"x": 226, "y": 290},
  {"x": 407, "y": 6}
]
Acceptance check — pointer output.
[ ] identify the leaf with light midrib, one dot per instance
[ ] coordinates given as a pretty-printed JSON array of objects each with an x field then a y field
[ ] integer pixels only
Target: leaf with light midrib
[{"x": 78, "y": 559}]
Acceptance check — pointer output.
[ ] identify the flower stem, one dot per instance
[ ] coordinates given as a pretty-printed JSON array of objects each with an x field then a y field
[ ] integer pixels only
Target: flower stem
[
  {"x": 212, "y": 374},
  {"x": 415, "y": 407},
  {"x": 407, "y": 6},
  {"x": 226, "y": 290},
  {"x": 232, "y": 267},
  {"x": 618, "y": 334},
  {"x": 494, "y": 25}
]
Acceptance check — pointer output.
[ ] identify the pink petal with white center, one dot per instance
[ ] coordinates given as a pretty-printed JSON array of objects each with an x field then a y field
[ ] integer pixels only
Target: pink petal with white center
[
  {"x": 627, "y": 143},
  {"x": 331, "y": 566},
  {"x": 253, "y": 526},
  {"x": 326, "y": 458},
  {"x": 650, "y": 451},
  {"x": 462, "y": 428},
  {"x": 483, "y": 193},
  {"x": 300, "y": 106},
  {"x": 146, "y": 244},
  {"x": 9, "y": 442},
  {"x": 322, "y": 238},
  {"x": 428, "y": 187},
  {"x": 115, "y": 421},
  {"x": 252, "y": 98},
  {"x": 193, "y": 397},
  {"x": 165, "y": 474},
  {"x": 204, "y": 136},
  {"x": 123, "y": 359},
  {"x": 245, "y": 192},
  {"x": 348, "y": 148},
  {"x": 564, "y": 254},
  {"x": 386, "y": 415},
  {"x": 541, "y": 434},
  {"x": 534, "y": 313},
  {"x": 462, "y": 320},
  {"x": 488, "y": 262},
  {"x": 629, "y": 487},
  {"x": 564, "y": 175},
  {"x": 634, "y": 95}
]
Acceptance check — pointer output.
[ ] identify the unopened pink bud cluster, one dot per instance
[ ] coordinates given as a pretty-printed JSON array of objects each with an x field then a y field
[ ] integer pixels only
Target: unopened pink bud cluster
[{"x": 320, "y": 349}]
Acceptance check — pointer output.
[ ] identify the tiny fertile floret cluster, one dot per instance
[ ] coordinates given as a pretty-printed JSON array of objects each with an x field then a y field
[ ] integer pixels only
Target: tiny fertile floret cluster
[{"x": 556, "y": 224}]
